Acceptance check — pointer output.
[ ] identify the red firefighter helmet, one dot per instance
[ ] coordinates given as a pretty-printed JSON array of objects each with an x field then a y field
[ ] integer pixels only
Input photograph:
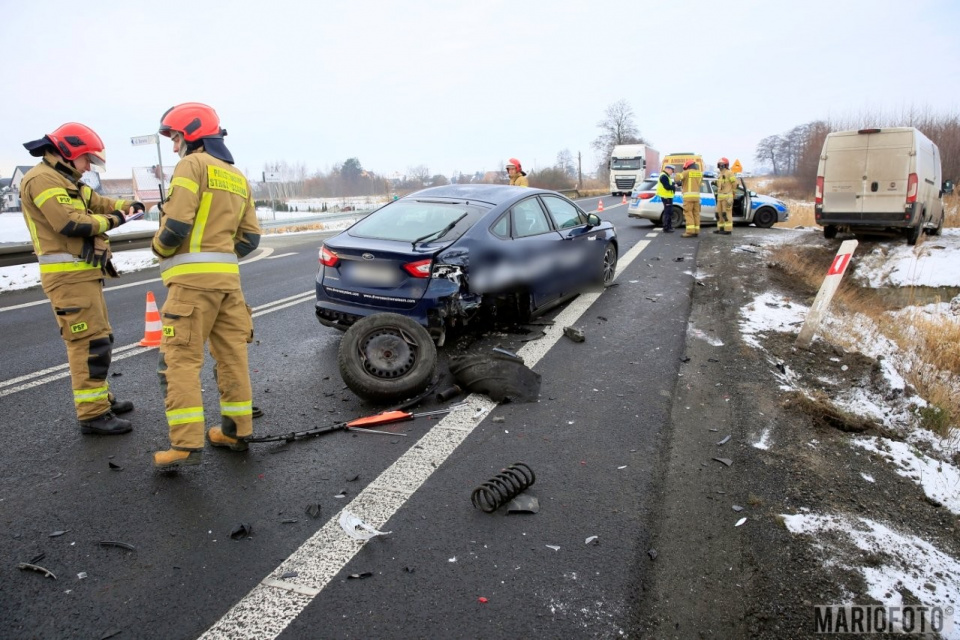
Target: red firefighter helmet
[
  {"x": 724, "y": 161},
  {"x": 73, "y": 140},
  {"x": 689, "y": 163},
  {"x": 193, "y": 120}
]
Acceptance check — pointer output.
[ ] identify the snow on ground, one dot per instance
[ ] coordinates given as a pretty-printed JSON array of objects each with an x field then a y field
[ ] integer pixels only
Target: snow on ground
[
  {"x": 24, "y": 276},
  {"x": 940, "y": 480},
  {"x": 933, "y": 263},
  {"x": 900, "y": 560}
]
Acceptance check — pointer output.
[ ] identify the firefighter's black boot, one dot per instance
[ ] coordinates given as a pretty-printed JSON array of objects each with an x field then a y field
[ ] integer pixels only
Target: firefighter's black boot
[
  {"x": 106, "y": 425},
  {"x": 120, "y": 406}
]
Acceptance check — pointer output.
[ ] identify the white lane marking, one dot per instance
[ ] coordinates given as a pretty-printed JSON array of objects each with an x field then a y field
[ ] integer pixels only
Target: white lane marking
[
  {"x": 652, "y": 234},
  {"x": 265, "y": 252},
  {"x": 37, "y": 378},
  {"x": 282, "y": 255},
  {"x": 268, "y": 608}
]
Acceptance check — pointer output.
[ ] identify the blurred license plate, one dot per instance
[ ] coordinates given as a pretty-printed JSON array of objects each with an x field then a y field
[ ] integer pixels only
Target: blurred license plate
[{"x": 373, "y": 274}]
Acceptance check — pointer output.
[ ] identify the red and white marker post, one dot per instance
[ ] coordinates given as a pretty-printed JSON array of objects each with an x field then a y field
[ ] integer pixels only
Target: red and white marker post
[{"x": 829, "y": 287}]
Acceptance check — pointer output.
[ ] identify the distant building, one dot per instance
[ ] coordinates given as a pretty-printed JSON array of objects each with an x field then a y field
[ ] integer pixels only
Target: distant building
[
  {"x": 117, "y": 188},
  {"x": 18, "y": 174}
]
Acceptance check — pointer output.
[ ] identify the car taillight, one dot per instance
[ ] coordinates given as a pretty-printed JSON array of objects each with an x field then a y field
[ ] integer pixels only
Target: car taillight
[
  {"x": 819, "y": 193},
  {"x": 912, "y": 188},
  {"x": 419, "y": 269},
  {"x": 647, "y": 195},
  {"x": 328, "y": 258}
]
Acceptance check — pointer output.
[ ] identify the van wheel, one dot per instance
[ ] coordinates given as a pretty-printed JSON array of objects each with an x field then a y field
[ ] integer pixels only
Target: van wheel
[
  {"x": 830, "y": 231},
  {"x": 386, "y": 356},
  {"x": 913, "y": 234},
  {"x": 938, "y": 231}
]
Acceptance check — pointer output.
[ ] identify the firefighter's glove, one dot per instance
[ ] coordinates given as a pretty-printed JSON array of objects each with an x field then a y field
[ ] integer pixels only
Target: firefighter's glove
[
  {"x": 117, "y": 218},
  {"x": 137, "y": 207},
  {"x": 96, "y": 251}
]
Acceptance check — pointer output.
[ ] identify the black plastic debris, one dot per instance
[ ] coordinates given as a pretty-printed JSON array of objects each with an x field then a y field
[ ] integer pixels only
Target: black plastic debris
[
  {"x": 725, "y": 440},
  {"x": 289, "y": 521},
  {"x": 782, "y": 368},
  {"x": 679, "y": 259},
  {"x": 360, "y": 576},
  {"x": 449, "y": 393},
  {"x": 289, "y": 574},
  {"x": 114, "y": 466},
  {"x": 685, "y": 359},
  {"x": 241, "y": 531},
  {"x": 653, "y": 554},
  {"x": 354, "y": 478},
  {"x": 57, "y": 534},
  {"x": 409, "y": 569},
  {"x": 524, "y": 504},
  {"x": 574, "y": 333},
  {"x": 37, "y": 558},
  {"x": 313, "y": 510},
  {"x": 501, "y": 375},
  {"x": 602, "y": 318},
  {"x": 110, "y": 634},
  {"x": 712, "y": 360},
  {"x": 118, "y": 544},
  {"x": 26, "y": 566},
  {"x": 257, "y": 412},
  {"x": 115, "y": 374},
  {"x": 725, "y": 461}
]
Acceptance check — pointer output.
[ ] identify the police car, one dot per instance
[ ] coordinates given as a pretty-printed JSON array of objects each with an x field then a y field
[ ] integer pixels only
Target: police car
[{"x": 748, "y": 206}]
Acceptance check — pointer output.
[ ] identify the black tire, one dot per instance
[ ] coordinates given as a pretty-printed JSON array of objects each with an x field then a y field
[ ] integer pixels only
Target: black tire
[
  {"x": 608, "y": 268},
  {"x": 679, "y": 221},
  {"x": 939, "y": 231},
  {"x": 830, "y": 231},
  {"x": 765, "y": 217},
  {"x": 913, "y": 233},
  {"x": 387, "y": 357}
]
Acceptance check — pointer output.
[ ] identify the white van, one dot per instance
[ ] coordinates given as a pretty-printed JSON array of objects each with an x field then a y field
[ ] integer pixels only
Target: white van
[{"x": 879, "y": 180}]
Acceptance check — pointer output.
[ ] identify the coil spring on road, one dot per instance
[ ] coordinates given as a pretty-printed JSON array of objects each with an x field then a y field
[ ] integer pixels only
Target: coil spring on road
[{"x": 503, "y": 487}]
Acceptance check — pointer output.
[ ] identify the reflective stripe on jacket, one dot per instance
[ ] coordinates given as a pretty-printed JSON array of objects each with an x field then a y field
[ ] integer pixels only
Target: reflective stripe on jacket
[
  {"x": 208, "y": 221},
  {"x": 726, "y": 184},
  {"x": 662, "y": 190},
  {"x": 689, "y": 182},
  {"x": 60, "y": 212}
]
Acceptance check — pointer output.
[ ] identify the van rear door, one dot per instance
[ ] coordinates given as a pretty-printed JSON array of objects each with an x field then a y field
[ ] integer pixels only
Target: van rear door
[
  {"x": 889, "y": 155},
  {"x": 844, "y": 171}
]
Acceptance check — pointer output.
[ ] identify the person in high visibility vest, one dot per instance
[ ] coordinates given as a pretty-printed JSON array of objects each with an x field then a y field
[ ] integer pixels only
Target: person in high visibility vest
[
  {"x": 689, "y": 180},
  {"x": 666, "y": 189},
  {"x": 207, "y": 223},
  {"x": 68, "y": 222},
  {"x": 726, "y": 187},
  {"x": 518, "y": 177}
]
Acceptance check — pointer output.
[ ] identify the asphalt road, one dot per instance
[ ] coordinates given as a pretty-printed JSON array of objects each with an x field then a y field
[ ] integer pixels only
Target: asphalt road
[{"x": 594, "y": 439}]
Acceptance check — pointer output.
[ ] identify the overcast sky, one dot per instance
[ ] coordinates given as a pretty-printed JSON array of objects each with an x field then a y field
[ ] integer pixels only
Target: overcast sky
[{"x": 462, "y": 86}]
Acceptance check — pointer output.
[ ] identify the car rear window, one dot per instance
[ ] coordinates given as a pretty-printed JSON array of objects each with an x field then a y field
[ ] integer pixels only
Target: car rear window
[
  {"x": 650, "y": 184},
  {"x": 408, "y": 220}
]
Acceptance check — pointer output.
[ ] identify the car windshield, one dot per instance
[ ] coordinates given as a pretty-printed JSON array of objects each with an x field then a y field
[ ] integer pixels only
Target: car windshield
[
  {"x": 409, "y": 220},
  {"x": 626, "y": 163}
]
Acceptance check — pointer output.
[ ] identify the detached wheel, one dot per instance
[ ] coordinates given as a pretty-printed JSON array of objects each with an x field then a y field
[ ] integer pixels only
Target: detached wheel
[
  {"x": 765, "y": 218},
  {"x": 830, "y": 231},
  {"x": 387, "y": 357}
]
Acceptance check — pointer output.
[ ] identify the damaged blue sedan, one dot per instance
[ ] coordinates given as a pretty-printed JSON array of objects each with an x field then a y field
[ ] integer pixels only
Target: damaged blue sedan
[{"x": 460, "y": 254}]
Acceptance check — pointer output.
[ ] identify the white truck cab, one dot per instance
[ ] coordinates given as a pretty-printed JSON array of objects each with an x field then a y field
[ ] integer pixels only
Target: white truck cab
[
  {"x": 878, "y": 180},
  {"x": 630, "y": 164}
]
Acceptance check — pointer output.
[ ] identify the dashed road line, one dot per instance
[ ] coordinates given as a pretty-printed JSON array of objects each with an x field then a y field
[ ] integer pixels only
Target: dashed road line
[{"x": 269, "y": 608}]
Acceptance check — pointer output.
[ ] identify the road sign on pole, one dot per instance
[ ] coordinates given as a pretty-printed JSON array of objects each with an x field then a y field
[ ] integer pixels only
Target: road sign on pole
[
  {"x": 139, "y": 141},
  {"x": 829, "y": 287},
  {"x": 272, "y": 176}
]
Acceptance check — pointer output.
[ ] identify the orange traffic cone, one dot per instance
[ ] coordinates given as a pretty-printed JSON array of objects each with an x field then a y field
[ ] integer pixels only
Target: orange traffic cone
[
  {"x": 624, "y": 201},
  {"x": 600, "y": 205},
  {"x": 154, "y": 328}
]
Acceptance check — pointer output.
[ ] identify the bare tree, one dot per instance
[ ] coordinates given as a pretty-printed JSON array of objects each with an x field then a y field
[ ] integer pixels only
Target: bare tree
[
  {"x": 565, "y": 163},
  {"x": 617, "y": 127},
  {"x": 419, "y": 173}
]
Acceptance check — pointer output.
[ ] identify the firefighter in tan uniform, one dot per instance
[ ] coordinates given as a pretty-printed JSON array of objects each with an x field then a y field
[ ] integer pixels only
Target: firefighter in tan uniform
[
  {"x": 67, "y": 222},
  {"x": 689, "y": 180},
  {"x": 208, "y": 222},
  {"x": 518, "y": 177},
  {"x": 726, "y": 188}
]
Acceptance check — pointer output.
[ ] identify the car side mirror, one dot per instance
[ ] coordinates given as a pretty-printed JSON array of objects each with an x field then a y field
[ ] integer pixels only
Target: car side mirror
[
  {"x": 753, "y": 194},
  {"x": 947, "y": 187},
  {"x": 593, "y": 220}
]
